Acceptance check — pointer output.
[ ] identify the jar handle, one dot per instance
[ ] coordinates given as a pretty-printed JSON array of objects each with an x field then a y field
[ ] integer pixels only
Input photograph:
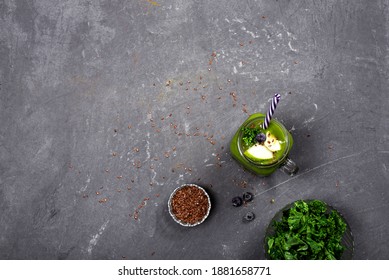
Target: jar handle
[{"x": 289, "y": 167}]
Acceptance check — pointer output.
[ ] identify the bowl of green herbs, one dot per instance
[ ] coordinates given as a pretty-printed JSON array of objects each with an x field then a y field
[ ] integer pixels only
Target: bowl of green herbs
[{"x": 308, "y": 230}]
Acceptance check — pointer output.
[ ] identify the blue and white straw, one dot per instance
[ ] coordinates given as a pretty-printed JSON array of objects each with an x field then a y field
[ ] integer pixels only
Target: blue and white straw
[{"x": 271, "y": 110}]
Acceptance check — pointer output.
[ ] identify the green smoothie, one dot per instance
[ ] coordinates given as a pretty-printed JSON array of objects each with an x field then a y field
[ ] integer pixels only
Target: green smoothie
[{"x": 263, "y": 151}]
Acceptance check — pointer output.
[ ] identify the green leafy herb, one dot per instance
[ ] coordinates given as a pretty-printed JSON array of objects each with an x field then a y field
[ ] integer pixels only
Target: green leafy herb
[
  {"x": 249, "y": 134},
  {"x": 307, "y": 231}
]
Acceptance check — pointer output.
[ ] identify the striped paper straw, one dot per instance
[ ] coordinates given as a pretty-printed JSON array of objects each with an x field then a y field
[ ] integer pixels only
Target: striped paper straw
[{"x": 271, "y": 110}]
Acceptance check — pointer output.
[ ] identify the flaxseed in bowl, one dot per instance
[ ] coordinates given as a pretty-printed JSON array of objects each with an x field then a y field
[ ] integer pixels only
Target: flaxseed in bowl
[{"x": 189, "y": 205}]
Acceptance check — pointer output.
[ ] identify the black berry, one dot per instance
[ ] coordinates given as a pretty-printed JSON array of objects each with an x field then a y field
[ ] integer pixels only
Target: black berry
[
  {"x": 249, "y": 217},
  {"x": 248, "y": 196},
  {"x": 261, "y": 137},
  {"x": 237, "y": 201}
]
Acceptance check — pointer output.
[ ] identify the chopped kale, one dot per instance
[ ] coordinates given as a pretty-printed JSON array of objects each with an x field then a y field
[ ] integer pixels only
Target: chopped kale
[
  {"x": 249, "y": 135},
  {"x": 307, "y": 231}
]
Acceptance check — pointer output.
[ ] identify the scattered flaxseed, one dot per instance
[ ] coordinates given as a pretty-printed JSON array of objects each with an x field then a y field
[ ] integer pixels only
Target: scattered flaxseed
[{"x": 137, "y": 163}]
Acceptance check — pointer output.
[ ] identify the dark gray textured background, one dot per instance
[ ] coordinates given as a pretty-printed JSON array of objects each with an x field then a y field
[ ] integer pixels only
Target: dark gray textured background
[{"x": 107, "y": 106}]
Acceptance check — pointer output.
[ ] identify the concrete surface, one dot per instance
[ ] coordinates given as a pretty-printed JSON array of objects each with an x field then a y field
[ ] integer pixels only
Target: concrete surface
[{"x": 107, "y": 106}]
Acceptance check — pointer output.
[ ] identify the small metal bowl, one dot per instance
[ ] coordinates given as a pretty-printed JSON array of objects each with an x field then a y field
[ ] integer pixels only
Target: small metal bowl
[{"x": 170, "y": 207}]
